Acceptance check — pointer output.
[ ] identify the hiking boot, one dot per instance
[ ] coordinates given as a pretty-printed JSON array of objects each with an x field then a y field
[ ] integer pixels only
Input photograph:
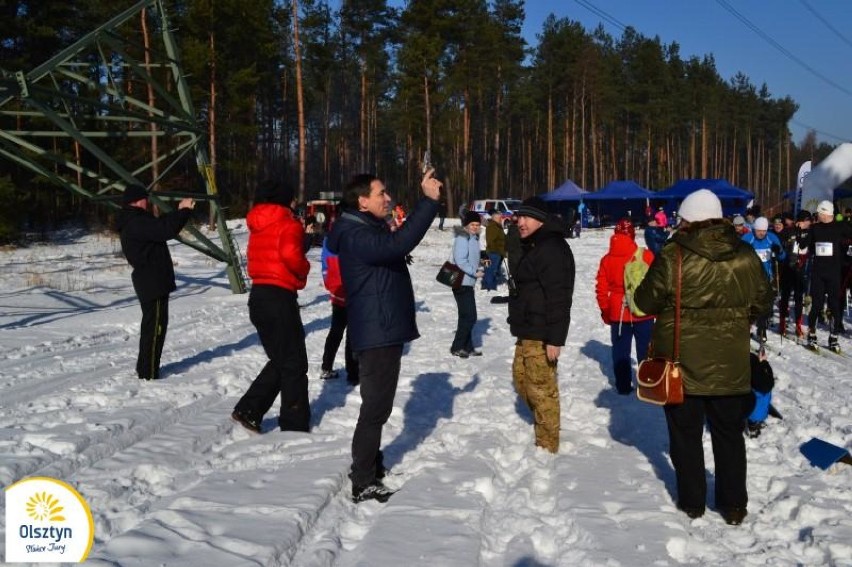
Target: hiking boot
[
  {"x": 692, "y": 512},
  {"x": 328, "y": 375},
  {"x": 461, "y": 353},
  {"x": 246, "y": 421},
  {"x": 373, "y": 491},
  {"x": 733, "y": 516},
  {"x": 753, "y": 429}
]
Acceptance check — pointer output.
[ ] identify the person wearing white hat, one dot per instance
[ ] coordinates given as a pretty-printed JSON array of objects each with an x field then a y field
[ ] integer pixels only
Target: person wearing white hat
[
  {"x": 723, "y": 288},
  {"x": 768, "y": 248},
  {"x": 826, "y": 243}
]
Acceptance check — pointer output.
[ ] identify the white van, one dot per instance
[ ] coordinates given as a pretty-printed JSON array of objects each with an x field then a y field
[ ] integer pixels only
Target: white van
[{"x": 507, "y": 206}]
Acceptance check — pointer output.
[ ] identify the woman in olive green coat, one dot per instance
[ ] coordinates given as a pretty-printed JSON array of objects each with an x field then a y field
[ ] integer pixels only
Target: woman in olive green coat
[{"x": 723, "y": 290}]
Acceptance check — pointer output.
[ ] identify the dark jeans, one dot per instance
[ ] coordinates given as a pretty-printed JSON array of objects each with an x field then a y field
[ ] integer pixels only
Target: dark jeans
[
  {"x": 332, "y": 344},
  {"x": 379, "y": 369},
  {"x": 725, "y": 416},
  {"x": 825, "y": 287},
  {"x": 152, "y": 337},
  {"x": 638, "y": 333},
  {"x": 466, "y": 303},
  {"x": 274, "y": 311},
  {"x": 792, "y": 283},
  {"x": 492, "y": 271}
]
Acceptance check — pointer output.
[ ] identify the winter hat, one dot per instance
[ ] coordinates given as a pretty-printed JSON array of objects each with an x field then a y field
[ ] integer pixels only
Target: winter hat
[
  {"x": 624, "y": 226},
  {"x": 535, "y": 208},
  {"x": 274, "y": 191},
  {"x": 700, "y": 205},
  {"x": 469, "y": 217},
  {"x": 761, "y": 223},
  {"x": 825, "y": 207},
  {"x": 133, "y": 193},
  {"x": 739, "y": 220},
  {"x": 804, "y": 216}
]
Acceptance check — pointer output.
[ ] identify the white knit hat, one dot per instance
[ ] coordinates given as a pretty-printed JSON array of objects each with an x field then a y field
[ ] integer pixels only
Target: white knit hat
[
  {"x": 825, "y": 207},
  {"x": 700, "y": 205},
  {"x": 761, "y": 223}
]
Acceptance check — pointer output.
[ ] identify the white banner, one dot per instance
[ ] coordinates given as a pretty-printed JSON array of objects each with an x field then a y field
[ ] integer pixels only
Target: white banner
[
  {"x": 829, "y": 173},
  {"x": 804, "y": 170}
]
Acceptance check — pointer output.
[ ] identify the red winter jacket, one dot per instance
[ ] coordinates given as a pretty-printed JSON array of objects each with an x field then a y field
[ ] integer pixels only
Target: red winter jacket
[
  {"x": 275, "y": 249},
  {"x": 610, "y": 284}
]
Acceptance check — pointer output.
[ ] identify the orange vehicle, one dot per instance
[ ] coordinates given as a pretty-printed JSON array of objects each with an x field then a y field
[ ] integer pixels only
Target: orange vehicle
[{"x": 324, "y": 210}]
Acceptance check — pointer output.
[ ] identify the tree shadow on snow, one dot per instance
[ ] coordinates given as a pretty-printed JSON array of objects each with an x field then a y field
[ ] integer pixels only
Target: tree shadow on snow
[
  {"x": 181, "y": 366},
  {"x": 431, "y": 400},
  {"x": 332, "y": 396},
  {"x": 634, "y": 423}
]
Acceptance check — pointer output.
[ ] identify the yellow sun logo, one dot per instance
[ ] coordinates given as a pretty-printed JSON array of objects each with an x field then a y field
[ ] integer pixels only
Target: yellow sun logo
[{"x": 45, "y": 506}]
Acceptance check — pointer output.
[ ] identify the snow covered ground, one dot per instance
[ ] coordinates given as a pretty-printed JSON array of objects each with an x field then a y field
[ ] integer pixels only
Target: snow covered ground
[{"x": 171, "y": 480}]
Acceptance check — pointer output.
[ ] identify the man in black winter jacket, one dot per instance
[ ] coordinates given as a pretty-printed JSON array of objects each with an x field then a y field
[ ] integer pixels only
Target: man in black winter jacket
[
  {"x": 144, "y": 240},
  {"x": 539, "y": 315}
]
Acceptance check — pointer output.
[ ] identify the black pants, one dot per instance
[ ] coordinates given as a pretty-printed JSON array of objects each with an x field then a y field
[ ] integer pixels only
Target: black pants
[
  {"x": 725, "y": 416},
  {"x": 825, "y": 286},
  {"x": 274, "y": 311},
  {"x": 155, "y": 321},
  {"x": 332, "y": 344},
  {"x": 379, "y": 368},
  {"x": 466, "y": 303},
  {"x": 793, "y": 282}
]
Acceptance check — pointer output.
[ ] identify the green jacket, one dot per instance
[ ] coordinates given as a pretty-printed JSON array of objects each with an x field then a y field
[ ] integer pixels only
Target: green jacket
[
  {"x": 724, "y": 289},
  {"x": 495, "y": 238}
]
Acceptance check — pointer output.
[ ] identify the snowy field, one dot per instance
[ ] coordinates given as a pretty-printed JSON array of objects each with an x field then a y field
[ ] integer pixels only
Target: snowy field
[{"x": 171, "y": 480}]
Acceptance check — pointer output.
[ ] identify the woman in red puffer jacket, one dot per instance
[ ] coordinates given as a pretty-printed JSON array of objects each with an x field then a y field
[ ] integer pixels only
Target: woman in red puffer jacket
[{"x": 624, "y": 326}]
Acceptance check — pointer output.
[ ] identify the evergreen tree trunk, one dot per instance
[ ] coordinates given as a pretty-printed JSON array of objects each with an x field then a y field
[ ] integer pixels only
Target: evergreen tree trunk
[{"x": 300, "y": 103}]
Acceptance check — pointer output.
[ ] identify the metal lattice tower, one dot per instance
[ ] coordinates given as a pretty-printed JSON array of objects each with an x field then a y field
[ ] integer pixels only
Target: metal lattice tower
[{"x": 85, "y": 119}]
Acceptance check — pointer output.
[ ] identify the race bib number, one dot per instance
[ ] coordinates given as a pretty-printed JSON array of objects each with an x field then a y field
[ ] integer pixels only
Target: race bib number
[
  {"x": 824, "y": 249},
  {"x": 765, "y": 254}
]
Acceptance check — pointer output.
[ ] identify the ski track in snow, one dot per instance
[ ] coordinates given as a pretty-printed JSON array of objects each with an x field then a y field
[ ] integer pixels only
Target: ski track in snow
[{"x": 172, "y": 480}]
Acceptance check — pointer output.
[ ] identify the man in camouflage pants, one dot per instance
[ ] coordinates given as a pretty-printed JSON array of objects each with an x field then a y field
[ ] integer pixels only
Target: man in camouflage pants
[{"x": 539, "y": 315}]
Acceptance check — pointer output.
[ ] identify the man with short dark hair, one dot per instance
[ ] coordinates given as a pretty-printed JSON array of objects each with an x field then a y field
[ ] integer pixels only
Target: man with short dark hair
[
  {"x": 144, "y": 240},
  {"x": 540, "y": 314},
  {"x": 380, "y": 309}
]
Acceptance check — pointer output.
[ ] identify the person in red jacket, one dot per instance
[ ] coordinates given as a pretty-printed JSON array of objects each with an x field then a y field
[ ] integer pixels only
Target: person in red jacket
[
  {"x": 624, "y": 326},
  {"x": 279, "y": 269},
  {"x": 333, "y": 282}
]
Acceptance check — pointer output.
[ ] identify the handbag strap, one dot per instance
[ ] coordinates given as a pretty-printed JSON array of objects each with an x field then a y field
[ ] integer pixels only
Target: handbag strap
[{"x": 676, "y": 351}]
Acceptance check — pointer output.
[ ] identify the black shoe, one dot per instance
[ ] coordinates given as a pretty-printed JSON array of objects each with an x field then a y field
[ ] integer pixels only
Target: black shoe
[
  {"x": 373, "y": 491},
  {"x": 461, "y": 353},
  {"x": 733, "y": 516},
  {"x": 812, "y": 341},
  {"x": 329, "y": 374},
  {"x": 249, "y": 423},
  {"x": 753, "y": 428},
  {"x": 692, "y": 512},
  {"x": 833, "y": 345}
]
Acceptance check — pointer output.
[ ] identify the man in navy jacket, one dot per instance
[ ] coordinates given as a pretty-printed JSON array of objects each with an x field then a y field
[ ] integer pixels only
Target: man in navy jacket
[{"x": 380, "y": 308}]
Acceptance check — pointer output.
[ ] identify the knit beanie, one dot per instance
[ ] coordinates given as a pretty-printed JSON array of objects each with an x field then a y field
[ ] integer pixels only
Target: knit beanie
[
  {"x": 761, "y": 223},
  {"x": 469, "y": 217},
  {"x": 274, "y": 191},
  {"x": 825, "y": 207},
  {"x": 133, "y": 193},
  {"x": 535, "y": 208},
  {"x": 700, "y": 205}
]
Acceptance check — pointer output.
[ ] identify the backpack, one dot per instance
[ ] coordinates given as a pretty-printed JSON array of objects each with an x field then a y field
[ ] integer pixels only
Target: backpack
[{"x": 634, "y": 272}]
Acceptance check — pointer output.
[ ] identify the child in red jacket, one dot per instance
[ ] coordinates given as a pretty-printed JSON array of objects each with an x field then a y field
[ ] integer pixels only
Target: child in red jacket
[{"x": 624, "y": 326}]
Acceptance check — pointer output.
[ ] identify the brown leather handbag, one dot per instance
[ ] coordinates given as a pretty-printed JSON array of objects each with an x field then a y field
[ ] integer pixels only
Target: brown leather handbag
[{"x": 659, "y": 380}]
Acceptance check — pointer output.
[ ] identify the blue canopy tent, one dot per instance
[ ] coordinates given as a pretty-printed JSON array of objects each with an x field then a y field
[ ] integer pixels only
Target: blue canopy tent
[
  {"x": 565, "y": 200},
  {"x": 734, "y": 200},
  {"x": 619, "y": 199}
]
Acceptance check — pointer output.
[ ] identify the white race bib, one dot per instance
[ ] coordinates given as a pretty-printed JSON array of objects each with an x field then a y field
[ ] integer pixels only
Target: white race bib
[
  {"x": 795, "y": 247},
  {"x": 824, "y": 249}
]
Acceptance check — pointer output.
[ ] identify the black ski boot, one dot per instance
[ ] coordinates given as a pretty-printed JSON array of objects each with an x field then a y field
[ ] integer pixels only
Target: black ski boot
[
  {"x": 833, "y": 345},
  {"x": 812, "y": 341}
]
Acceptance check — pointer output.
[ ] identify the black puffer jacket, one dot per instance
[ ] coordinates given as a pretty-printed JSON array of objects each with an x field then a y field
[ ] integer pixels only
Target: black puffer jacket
[
  {"x": 143, "y": 242},
  {"x": 724, "y": 288},
  {"x": 541, "y": 309}
]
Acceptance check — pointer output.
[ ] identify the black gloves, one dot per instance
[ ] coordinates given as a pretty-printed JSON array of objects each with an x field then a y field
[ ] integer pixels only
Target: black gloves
[{"x": 409, "y": 259}]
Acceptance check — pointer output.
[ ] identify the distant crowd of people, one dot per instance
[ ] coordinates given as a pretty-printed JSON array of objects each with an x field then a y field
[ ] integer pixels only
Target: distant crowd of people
[{"x": 726, "y": 273}]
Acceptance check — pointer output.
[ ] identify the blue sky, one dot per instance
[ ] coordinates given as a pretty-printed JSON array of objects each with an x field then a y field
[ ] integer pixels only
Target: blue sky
[{"x": 706, "y": 26}]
